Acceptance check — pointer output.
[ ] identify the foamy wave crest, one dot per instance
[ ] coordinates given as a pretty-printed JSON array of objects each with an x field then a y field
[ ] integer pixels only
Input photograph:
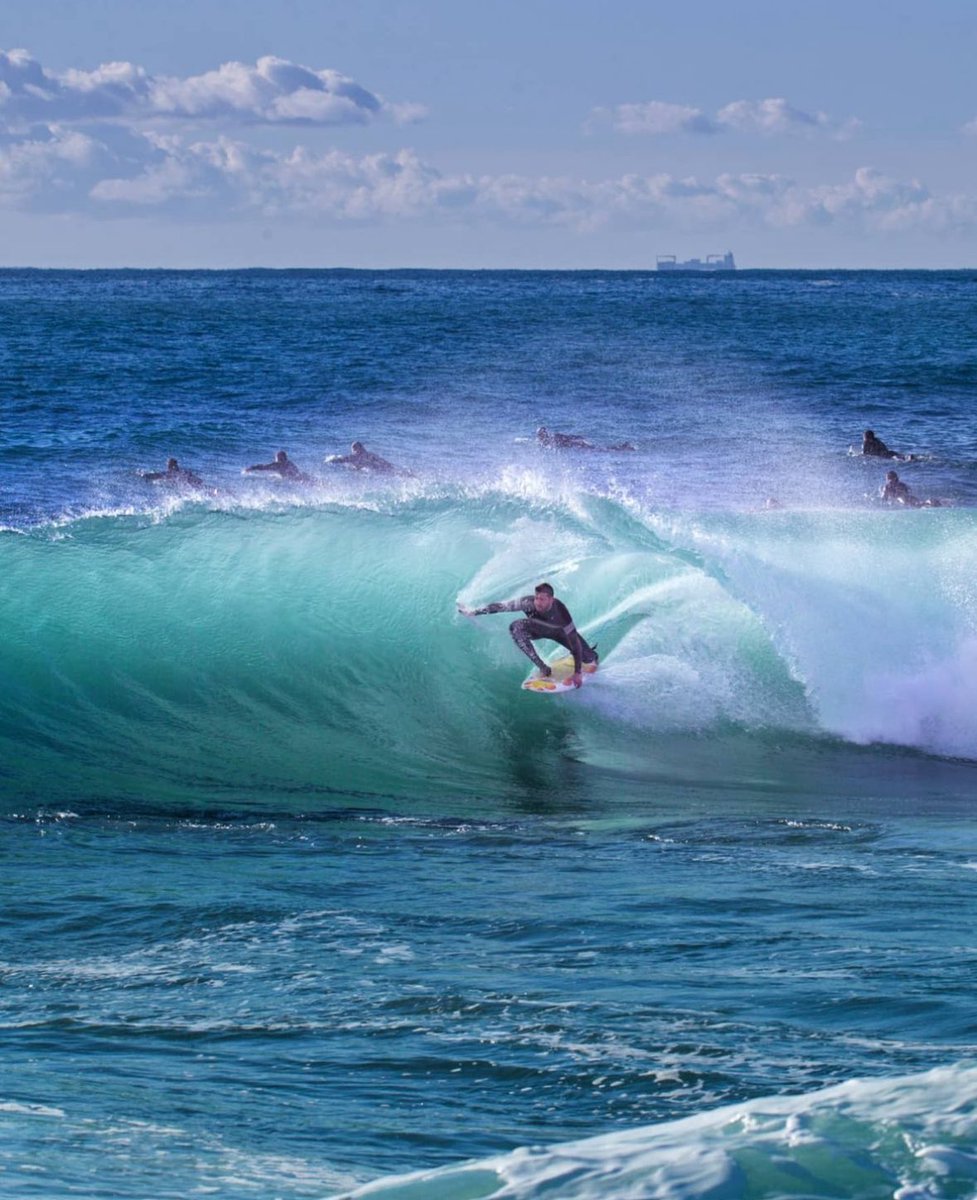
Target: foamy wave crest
[
  {"x": 875, "y": 613},
  {"x": 912, "y": 1138}
]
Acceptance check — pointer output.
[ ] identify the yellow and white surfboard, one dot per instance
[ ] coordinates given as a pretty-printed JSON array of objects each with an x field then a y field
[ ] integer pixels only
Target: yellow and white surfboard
[{"x": 559, "y": 681}]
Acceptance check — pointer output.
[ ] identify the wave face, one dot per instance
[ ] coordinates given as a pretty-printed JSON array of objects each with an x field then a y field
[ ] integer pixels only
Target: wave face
[
  {"x": 911, "y": 1137},
  {"x": 289, "y": 651}
]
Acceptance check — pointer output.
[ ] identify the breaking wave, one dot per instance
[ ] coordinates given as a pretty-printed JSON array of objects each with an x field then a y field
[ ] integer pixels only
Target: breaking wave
[{"x": 227, "y": 652}]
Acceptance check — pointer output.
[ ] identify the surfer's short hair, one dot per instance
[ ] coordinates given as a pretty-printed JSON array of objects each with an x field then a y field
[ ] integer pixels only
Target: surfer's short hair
[{"x": 545, "y": 587}]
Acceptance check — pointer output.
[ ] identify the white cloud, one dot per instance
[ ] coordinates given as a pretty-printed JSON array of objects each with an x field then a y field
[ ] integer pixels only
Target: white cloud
[
  {"x": 112, "y": 168},
  {"x": 335, "y": 186},
  {"x": 50, "y": 168},
  {"x": 768, "y": 117},
  {"x": 775, "y": 115},
  {"x": 272, "y": 91},
  {"x": 655, "y": 116}
]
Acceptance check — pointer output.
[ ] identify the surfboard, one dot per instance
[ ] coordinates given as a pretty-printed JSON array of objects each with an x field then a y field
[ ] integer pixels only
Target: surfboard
[{"x": 559, "y": 681}]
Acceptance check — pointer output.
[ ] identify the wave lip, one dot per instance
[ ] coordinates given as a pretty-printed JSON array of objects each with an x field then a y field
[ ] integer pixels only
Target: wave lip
[{"x": 911, "y": 1137}]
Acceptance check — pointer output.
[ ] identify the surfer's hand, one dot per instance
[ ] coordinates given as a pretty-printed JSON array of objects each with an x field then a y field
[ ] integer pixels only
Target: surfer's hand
[
  {"x": 465, "y": 610},
  {"x": 576, "y": 679}
]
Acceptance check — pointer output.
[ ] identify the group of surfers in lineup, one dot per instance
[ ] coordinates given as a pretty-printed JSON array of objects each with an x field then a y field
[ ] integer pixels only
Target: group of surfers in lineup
[
  {"x": 281, "y": 466},
  {"x": 893, "y": 490},
  {"x": 359, "y": 458},
  {"x": 544, "y": 616}
]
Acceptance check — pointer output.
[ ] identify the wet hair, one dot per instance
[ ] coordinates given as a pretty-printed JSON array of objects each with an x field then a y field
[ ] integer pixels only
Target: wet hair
[
  {"x": 357, "y": 447},
  {"x": 281, "y": 456},
  {"x": 869, "y": 433},
  {"x": 544, "y": 587},
  {"x": 171, "y": 464},
  {"x": 891, "y": 475}
]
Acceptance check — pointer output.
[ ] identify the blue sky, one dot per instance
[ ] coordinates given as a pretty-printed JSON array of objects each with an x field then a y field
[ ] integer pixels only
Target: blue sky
[{"x": 452, "y": 134}]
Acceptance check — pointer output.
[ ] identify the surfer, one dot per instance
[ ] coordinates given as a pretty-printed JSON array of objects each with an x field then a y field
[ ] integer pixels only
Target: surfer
[
  {"x": 546, "y": 617},
  {"x": 874, "y": 447},
  {"x": 361, "y": 459},
  {"x": 562, "y": 441},
  {"x": 283, "y": 467},
  {"x": 174, "y": 476},
  {"x": 894, "y": 491},
  {"x": 573, "y": 441}
]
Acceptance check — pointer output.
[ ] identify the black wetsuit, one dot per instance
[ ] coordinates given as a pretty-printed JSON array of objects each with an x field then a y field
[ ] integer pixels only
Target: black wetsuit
[
  {"x": 875, "y": 448},
  {"x": 285, "y": 469},
  {"x": 179, "y": 476},
  {"x": 557, "y": 625}
]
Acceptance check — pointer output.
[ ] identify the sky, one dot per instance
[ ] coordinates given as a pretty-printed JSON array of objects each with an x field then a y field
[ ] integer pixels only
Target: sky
[{"x": 498, "y": 134}]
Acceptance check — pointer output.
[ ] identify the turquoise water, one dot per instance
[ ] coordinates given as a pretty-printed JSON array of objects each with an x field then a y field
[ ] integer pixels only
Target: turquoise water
[{"x": 303, "y": 895}]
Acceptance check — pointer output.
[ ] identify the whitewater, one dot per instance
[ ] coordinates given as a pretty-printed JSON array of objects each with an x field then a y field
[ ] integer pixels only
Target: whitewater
[{"x": 304, "y": 897}]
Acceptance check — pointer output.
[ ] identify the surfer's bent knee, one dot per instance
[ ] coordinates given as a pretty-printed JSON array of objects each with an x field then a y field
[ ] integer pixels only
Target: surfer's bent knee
[{"x": 520, "y": 631}]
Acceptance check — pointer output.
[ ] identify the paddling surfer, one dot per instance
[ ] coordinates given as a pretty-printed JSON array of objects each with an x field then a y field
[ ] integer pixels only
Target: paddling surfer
[
  {"x": 282, "y": 466},
  {"x": 895, "y": 491},
  {"x": 361, "y": 459},
  {"x": 553, "y": 440},
  {"x": 874, "y": 447},
  {"x": 174, "y": 476}
]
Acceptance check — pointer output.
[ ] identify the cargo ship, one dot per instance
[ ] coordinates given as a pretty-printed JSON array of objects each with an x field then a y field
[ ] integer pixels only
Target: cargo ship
[{"x": 712, "y": 262}]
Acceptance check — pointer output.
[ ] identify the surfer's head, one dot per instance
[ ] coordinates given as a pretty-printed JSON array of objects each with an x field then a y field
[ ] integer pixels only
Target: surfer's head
[
  {"x": 281, "y": 457},
  {"x": 543, "y": 599},
  {"x": 172, "y": 464},
  {"x": 358, "y": 448}
]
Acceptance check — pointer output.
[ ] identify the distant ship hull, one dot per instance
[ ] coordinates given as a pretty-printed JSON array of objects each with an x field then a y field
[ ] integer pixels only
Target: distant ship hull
[{"x": 712, "y": 262}]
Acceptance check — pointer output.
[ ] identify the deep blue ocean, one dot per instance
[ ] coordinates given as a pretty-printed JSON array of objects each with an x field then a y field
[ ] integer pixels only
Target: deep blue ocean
[{"x": 302, "y": 896}]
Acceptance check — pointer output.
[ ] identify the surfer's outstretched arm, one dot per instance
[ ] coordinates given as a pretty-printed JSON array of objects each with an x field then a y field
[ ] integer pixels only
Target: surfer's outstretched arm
[{"x": 496, "y": 606}]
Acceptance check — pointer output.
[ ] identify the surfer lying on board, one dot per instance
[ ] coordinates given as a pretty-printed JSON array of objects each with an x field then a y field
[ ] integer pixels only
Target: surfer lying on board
[
  {"x": 546, "y": 617},
  {"x": 361, "y": 459},
  {"x": 573, "y": 441},
  {"x": 174, "y": 476},
  {"x": 283, "y": 467},
  {"x": 894, "y": 491},
  {"x": 874, "y": 447}
]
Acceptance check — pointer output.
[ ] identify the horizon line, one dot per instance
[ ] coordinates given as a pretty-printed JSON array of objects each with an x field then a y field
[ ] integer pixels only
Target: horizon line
[{"x": 650, "y": 270}]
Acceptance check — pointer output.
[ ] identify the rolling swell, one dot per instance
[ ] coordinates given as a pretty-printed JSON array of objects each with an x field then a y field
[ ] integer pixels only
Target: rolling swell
[{"x": 223, "y": 655}]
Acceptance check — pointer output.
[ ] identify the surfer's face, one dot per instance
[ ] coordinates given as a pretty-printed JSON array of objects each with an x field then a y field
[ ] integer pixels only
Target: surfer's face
[{"x": 542, "y": 602}]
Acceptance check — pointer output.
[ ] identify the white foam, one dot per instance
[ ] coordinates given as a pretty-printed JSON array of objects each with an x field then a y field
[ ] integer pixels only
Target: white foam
[{"x": 889, "y": 1136}]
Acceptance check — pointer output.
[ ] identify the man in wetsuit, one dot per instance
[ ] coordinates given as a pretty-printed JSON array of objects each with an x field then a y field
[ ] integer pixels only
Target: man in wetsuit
[
  {"x": 361, "y": 459},
  {"x": 174, "y": 476},
  {"x": 562, "y": 441},
  {"x": 283, "y": 467},
  {"x": 546, "y": 617},
  {"x": 875, "y": 448},
  {"x": 894, "y": 491},
  {"x": 573, "y": 441}
]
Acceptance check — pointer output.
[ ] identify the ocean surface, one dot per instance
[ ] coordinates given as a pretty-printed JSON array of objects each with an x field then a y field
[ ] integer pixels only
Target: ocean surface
[{"x": 302, "y": 896}]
